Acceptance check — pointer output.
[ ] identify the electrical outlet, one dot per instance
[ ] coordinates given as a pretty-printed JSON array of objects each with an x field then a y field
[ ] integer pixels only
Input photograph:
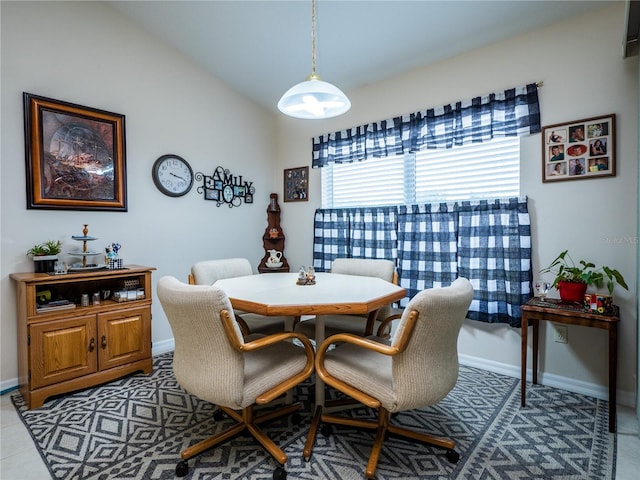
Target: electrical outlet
[{"x": 561, "y": 333}]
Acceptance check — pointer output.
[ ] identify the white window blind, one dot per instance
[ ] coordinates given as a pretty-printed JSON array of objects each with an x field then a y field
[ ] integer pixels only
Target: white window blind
[{"x": 476, "y": 171}]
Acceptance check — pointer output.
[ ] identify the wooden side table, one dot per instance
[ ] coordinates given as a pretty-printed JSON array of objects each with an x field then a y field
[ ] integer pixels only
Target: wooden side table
[{"x": 569, "y": 314}]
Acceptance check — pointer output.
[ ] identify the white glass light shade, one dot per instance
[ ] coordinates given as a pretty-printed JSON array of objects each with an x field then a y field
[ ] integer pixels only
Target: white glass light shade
[{"x": 314, "y": 99}]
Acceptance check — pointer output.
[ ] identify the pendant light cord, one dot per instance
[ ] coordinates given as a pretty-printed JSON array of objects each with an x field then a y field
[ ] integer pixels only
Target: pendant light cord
[{"x": 313, "y": 37}]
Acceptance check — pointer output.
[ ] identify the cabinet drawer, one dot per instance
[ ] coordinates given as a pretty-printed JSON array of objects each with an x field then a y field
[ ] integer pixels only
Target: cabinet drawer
[
  {"x": 62, "y": 350},
  {"x": 124, "y": 336}
]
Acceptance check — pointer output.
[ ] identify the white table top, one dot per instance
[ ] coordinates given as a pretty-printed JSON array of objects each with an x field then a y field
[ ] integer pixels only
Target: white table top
[{"x": 276, "y": 294}]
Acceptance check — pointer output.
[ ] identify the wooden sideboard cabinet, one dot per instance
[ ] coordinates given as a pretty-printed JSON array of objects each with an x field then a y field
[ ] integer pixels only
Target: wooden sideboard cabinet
[{"x": 65, "y": 348}]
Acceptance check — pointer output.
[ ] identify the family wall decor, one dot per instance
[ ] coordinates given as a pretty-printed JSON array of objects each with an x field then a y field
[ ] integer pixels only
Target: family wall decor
[
  {"x": 579, "y": 150},
  {"x": 75, "y": 156},
  {"x": 224, "y": 188}
]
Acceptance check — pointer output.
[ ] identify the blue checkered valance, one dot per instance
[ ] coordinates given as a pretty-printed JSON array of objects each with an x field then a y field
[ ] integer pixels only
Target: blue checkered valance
[
  {"x": 487, "y": 241},
  {"x": 510, "y": 113}
]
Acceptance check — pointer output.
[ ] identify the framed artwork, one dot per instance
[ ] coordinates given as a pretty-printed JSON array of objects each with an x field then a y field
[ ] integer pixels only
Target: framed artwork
[
  {"x": 579, "y": 150},
  {"x": 75, "y": 156},
  {"x": 296, "y": 184}
]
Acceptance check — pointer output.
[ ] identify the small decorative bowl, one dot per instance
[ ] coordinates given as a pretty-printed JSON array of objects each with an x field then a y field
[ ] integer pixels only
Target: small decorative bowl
[{"x": 274, "y": 265}]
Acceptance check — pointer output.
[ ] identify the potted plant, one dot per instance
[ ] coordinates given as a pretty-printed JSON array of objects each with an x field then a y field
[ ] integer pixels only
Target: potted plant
[
  {"x": 44, "y": 255},
  {"x": 572, "y": 279}
]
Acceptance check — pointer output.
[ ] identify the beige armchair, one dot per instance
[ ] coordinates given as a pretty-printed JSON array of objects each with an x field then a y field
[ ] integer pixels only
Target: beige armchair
[
  {"x": 355, "y": 324},
  {"x": 213, "y": 361},
  {"x": 416, "y": 369},
  {"x": 207, "y": 272}
]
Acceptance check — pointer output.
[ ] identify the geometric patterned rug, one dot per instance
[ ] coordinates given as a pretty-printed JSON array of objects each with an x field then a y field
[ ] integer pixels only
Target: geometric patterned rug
[{"x": 135, "y": 428}]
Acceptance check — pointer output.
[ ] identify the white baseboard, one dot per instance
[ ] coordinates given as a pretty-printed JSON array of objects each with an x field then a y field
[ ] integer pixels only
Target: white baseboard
[
  {"x": 556, "y": 381},
  {"x": 163, "y": 347}
]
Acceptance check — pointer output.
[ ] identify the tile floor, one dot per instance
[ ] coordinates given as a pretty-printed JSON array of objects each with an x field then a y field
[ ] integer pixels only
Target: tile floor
[{"x": 19, "y": 459}]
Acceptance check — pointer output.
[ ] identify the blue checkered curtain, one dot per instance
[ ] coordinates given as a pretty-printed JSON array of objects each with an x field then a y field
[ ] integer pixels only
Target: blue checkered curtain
[
  {"x": 509, "y": 113},
  {"x": 494, "y": 253},
  {"x": 368, "y": 232},
  {"x": 427, "y": 247},
  {"x": 487, "y": 241},
  {"x": 330, "y": 237}
]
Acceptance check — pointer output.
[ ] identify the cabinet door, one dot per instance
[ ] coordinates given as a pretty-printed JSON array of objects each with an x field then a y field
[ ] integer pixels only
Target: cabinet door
[
  {"x": 124, "y": 336},
  {"x": 62, "y": 350}
]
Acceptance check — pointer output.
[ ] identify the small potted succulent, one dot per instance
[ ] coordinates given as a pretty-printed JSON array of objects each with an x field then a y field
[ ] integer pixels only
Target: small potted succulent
[
  {"x": 44, "y": 255},
  {"x": 572, "y": 279}
]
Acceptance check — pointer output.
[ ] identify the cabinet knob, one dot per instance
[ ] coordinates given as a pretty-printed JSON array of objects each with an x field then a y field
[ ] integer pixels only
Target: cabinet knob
[
  {"x": 92, "y": 345},
  {"x": 103, "y": 342}
]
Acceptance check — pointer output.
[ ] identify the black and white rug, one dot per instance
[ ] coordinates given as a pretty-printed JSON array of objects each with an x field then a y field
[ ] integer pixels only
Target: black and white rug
[{"x": 136, "y": 427}]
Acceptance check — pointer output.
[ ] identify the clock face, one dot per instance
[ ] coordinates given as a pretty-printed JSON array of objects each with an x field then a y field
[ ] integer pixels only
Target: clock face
[{"x": 172, "y": 175}]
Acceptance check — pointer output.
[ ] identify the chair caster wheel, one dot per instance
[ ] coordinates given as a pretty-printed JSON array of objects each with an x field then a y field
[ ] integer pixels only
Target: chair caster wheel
[
  {"x": 452, "y": 456},
  {"x": 279, "y": 474},
  {"x": 218, "y": 415},
  {"x": 182, "y": 469},
  {"x": 326, "y": 430}
]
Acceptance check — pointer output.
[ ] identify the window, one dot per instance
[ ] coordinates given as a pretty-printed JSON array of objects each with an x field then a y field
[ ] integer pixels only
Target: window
[{"x": 470, "y": 172}]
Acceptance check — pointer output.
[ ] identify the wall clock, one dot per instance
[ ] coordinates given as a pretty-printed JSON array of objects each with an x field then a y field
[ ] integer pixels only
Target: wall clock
[{"x": 172, "y": 175}]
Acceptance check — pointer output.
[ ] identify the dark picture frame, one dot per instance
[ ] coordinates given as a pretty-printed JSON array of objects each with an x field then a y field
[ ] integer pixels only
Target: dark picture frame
[
  {"x": 296, "y": 184},
  {"x": 579, "y": 150},
  {"x": 75, "y": 156}
]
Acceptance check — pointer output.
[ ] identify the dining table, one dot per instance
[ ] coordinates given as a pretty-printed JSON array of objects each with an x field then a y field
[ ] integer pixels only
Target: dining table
[{"x": 278, "y": 294}]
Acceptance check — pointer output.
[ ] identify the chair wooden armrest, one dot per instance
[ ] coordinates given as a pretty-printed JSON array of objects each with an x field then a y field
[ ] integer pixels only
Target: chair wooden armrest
[
  {"x": 243, "y": 325},
  {"x": 385, "y": 323},
  {"x": 266, "y": 341},
  {"x": 368, "y": 344}
]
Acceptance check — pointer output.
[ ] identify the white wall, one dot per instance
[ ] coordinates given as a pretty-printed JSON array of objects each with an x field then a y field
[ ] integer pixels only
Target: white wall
[
  {"x": 86, "y": 53},
  {"x": 580, "y": 62}
]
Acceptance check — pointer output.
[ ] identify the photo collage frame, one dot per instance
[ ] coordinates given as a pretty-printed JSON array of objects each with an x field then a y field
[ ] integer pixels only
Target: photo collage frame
[{"x": 579, "y": 150}]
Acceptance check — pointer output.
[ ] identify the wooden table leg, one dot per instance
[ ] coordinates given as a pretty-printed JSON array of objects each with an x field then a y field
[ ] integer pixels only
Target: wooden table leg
[
  {"x": 319, "y": 339},
  {"x": 613, "y": 372},
  {"x": 523, "y": 360},
  {"x": 534, "y": 353},
  {"x": 315, "y": 422}
]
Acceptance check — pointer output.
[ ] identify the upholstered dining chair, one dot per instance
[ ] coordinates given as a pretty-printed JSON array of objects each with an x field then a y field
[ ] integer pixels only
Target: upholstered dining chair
[
  {"x": 355, "y": 324},
  {"x": 207, "y": 272},
  {"x": 213, "y": 361},
  {"x": 416, "y": 369}
]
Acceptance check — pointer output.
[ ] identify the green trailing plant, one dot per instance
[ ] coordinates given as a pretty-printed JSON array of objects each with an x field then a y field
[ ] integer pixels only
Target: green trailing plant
[
  {"x": 50, "y": 247},
  {"x": 566, "y": 270}
]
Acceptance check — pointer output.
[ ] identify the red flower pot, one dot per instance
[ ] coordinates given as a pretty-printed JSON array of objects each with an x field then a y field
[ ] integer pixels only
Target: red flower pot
[{"x": 572, "y": 291}]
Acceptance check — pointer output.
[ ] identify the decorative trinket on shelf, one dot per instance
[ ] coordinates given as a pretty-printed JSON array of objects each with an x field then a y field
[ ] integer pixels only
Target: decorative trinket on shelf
[
  {"x": 273, "y": 241},
  {"x": 223, "y": 187},
  {"x": 111, "y": 256},
  {"x": 306, "y": 276},
  {"x": 84, "y": 266},
  {"x": 275, "y": 259}
]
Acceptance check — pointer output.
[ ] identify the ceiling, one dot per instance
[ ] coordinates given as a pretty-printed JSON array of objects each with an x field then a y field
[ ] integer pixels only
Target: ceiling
[{"x": 261, "y": 48}]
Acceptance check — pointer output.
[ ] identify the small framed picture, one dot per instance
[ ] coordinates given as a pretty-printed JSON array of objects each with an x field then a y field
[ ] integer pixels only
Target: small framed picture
[
  {"x": 579, "y": 150},
  {"x": 296, "y": 184},
  {"x": 75, "y": 156}
]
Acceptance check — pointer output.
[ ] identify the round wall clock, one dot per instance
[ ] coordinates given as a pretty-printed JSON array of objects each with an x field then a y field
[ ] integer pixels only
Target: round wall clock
[{"x": 172, "y": 175}]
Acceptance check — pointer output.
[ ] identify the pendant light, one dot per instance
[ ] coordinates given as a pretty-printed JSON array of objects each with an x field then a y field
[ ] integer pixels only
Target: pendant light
[{"x": 314, "y": 98}]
